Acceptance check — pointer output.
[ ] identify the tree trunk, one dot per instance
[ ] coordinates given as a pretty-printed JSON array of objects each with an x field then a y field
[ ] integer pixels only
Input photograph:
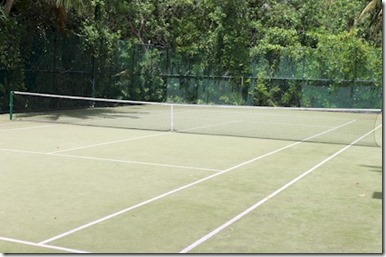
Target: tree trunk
[{"x": 8, "y": 5}]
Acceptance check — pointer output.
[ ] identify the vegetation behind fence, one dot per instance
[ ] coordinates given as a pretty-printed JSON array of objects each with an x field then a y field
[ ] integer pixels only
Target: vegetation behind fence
[
  {"x": 291, "y": 53},
  {"x": 322, "y": 77}
]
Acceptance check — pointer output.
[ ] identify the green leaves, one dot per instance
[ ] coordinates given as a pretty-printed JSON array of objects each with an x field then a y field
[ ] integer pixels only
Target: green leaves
[
  {"x": 232, "y": 40},
  {"x": 374, "y": 10}
]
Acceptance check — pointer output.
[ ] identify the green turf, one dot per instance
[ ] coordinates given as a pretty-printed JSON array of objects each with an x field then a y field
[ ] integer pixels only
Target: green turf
[
  {"x": 10, "y": 247},
  {"x": 335, "y": 209}
]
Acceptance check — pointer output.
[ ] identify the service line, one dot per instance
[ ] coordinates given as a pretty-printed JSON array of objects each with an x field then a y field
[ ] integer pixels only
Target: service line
[{"x": 109, "y": 160}]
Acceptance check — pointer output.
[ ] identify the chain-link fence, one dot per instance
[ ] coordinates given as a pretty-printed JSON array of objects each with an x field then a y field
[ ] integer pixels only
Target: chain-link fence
[{"x": 310, "y": 78}]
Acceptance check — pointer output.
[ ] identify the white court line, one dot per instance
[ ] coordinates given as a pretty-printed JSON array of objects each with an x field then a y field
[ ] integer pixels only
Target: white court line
[
  {"x": 135, "y": 138},
  {"x": 253, "y": 207},
  {"x": 40, "y": 245},
  {"x": 136, "y": 162},
  {"x": 31, "y": 127},
  {"x": 184, "y": 187},
  {"x": 21, "y": 151},
  {"x": 8, "y": 123},
  {"x": 109, "y": 160},
  {"x": 109, "y": 143},
  {"x": 209, "y": 126}
]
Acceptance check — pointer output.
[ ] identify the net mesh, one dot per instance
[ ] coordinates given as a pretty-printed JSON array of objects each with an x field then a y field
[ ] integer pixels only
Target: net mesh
[{"x": 341, "y": 126}]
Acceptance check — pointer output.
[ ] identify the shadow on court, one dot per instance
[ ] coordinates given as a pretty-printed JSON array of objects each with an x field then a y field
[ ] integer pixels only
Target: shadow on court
[
  {"x": 373, "y": 168},
  {"x": 378, "y": 195}
]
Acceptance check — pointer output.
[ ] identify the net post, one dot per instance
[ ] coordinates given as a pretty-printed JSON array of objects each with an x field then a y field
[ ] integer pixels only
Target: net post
[
  {"x": 172, "y": 117},
  {"x": 11, "y": 105}
]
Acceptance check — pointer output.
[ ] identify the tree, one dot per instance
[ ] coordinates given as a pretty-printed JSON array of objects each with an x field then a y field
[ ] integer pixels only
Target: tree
[
  {"x": 374, "y": 10},
  {"x": 192, "y": 38},
  {"x": 78, "y": 5},
  {"x": 60, "y": 7},
  {"x": 8, "y": 5}
]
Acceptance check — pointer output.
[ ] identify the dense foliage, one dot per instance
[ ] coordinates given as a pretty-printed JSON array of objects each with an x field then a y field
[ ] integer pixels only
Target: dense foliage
[{"x": 265, "y": 52}]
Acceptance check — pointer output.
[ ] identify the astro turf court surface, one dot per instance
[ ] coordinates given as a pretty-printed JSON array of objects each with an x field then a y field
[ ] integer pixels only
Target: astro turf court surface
[{"x": 70, "y": 188}]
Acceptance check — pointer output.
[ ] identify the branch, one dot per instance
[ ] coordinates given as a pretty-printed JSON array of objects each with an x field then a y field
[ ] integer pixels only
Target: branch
[
  {"x": 8, "y": 5},
  {"x": 137, "y": 33}
]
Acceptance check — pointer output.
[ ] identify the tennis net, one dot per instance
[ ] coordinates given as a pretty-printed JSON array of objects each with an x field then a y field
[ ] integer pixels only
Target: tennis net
[{"x": 340, "y": 126}]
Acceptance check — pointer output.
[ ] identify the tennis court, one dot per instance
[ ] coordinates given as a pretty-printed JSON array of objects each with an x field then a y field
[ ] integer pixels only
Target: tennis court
[{"x": 100, "y": 186}]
